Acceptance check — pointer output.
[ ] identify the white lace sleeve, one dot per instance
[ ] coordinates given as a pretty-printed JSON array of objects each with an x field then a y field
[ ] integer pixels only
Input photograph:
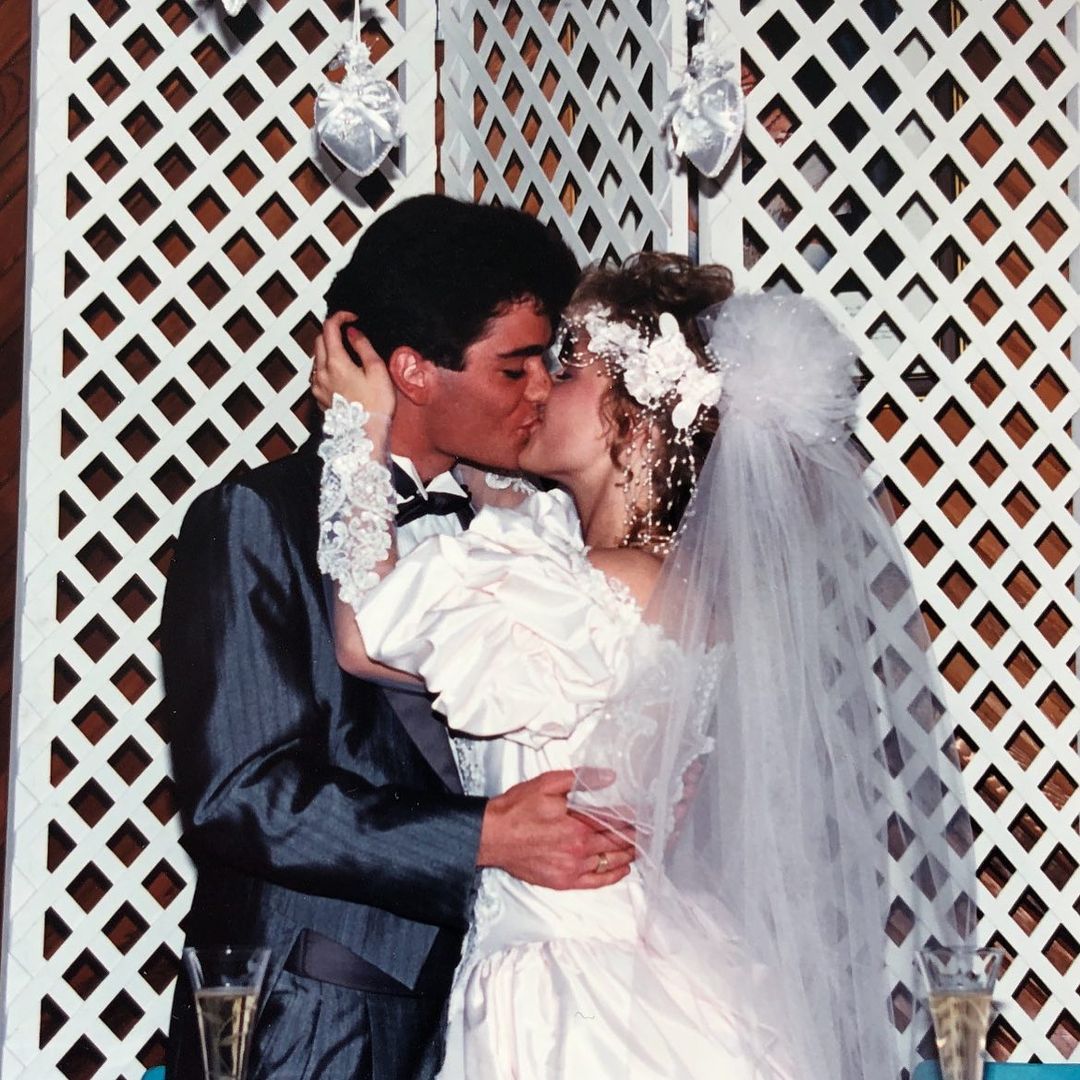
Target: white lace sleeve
[{"x": 357, "y": 503}]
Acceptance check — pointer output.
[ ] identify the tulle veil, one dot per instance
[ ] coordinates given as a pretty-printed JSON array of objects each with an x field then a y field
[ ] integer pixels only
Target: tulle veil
[{"x": 783, "y": 751}]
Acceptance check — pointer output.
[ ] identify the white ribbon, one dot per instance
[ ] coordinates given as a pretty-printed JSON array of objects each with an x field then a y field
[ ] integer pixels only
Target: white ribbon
[
  {"x": 358, "y": 120},
  {"x": 703, "y": 117}
]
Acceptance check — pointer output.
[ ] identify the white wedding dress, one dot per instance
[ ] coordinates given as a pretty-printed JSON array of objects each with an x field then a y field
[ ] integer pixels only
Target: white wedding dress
[{"x": 523, "y": 641}]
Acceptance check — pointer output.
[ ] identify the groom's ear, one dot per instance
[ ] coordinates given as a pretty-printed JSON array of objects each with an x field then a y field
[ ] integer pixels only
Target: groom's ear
[{"x": 412, "y": 375}]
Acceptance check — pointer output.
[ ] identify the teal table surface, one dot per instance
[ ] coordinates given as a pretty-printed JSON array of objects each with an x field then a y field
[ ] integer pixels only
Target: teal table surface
[{"x": 995, "y": 1070}]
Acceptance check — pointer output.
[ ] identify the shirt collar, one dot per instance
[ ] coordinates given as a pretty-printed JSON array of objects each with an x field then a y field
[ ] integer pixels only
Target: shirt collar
[{"x": 444, "y": 482}]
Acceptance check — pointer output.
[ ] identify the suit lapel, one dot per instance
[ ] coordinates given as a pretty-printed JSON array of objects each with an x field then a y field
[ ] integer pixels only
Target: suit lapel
[{"x": 413, "y": 710}]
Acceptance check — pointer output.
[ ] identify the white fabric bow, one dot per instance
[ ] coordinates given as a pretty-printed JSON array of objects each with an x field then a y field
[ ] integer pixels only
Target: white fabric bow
[
  {"x": 358, "y": 120},
  {"x": 704, "y": 115}
]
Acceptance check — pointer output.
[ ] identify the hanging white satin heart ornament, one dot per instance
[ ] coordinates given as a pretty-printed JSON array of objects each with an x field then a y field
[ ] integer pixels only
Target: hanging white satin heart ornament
[
  {"x": 232, "y": 7},
  {"x": 703, "y": 117},
  {"x": 358, "y": 120}
]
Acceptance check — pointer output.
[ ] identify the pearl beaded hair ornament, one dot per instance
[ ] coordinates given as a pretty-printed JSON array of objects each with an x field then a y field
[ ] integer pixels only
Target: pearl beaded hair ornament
[
  {"x": 662, "y": 375},
  {"x": 659, "y": 373}
]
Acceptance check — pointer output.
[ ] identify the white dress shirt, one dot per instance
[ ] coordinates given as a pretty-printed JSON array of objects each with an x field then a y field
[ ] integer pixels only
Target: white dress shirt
[{"x": 408, "y": 536}]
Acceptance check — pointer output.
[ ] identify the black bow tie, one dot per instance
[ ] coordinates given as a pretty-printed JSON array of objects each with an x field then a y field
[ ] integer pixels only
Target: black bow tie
[{"x": 416, "y": 505}]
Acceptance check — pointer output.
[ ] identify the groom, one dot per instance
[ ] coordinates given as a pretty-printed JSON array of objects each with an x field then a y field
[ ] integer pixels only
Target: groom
[{"x": 324, "y": 814}]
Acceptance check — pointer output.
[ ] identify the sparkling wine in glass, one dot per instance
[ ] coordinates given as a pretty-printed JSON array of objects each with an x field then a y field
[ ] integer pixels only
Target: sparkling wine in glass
[
  {"x": 960, "y": 986},
  {"x": 226, "y": 982}
]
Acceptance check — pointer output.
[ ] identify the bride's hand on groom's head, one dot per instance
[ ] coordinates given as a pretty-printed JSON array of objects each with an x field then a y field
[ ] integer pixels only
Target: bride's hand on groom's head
[
  {"x": 335, "y": 371},
  {"x": 530, "y": 833}
]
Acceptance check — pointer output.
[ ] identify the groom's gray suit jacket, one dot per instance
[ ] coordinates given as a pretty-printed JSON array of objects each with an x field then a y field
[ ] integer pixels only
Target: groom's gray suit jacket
[{"x": 324, "y": 813}]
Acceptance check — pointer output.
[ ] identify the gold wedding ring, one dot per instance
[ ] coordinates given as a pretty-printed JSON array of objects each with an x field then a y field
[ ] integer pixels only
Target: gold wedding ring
[{"x": 602, "y": 862}]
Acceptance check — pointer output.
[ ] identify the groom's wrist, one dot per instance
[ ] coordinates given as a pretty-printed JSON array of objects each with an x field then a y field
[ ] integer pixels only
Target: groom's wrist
[{"x": 492, "y": 830}]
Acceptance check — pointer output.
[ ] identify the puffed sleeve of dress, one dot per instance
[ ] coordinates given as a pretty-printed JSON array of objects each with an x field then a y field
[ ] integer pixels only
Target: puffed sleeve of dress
[{"x": 508, "y": 624}]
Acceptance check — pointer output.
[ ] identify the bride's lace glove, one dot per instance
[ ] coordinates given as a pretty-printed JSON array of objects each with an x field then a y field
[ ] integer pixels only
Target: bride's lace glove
[{"x": 357, "y": 503}]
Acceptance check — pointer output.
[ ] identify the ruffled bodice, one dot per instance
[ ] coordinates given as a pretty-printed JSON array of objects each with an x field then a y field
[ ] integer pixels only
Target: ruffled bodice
[
  {"x": 523, "y": 641},
  {"x": 513, "y": 630}
]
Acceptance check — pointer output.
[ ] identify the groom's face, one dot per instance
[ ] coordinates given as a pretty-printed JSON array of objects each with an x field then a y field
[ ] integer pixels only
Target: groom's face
[{"x": 486, "y": 412}]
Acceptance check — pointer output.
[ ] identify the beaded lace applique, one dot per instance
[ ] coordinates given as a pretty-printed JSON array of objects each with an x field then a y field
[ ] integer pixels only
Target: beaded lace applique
[
  {"x": 470, "y": 765},
  {"x": 500, "y": 482},
  {"x": 357, "y": 502}
]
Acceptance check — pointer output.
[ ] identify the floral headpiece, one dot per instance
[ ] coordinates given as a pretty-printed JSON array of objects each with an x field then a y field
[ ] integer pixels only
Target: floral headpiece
[
  {"x": 666, "y": 378},
  {"x": 657, "y": 372}
]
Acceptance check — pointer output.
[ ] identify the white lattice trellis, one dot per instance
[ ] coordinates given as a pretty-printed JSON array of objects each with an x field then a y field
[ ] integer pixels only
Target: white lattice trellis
[
  {"x": 183, "y": 231},
  {"x": 915, "y": 170},
  {"x": 554, "y": 107}
]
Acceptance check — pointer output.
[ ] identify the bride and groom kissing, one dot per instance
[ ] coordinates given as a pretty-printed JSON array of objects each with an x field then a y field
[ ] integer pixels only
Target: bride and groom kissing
[{"x": 375, "y": 765}]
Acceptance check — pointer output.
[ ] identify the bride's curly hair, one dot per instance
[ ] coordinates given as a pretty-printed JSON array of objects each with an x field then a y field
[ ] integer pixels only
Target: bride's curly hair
[{"x": 637, "y": 293}]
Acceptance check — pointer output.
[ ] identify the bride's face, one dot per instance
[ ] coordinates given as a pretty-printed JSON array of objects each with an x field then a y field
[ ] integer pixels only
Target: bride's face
[{"x": 572, "y": 437}]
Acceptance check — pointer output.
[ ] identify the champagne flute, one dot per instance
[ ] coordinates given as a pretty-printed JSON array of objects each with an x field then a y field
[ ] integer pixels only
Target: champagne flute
[
  {"x": 960, "y": 984},
  {"x": 226, "y": 982}
]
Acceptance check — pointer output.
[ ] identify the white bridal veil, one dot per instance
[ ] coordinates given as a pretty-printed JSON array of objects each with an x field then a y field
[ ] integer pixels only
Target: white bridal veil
[{"x": 784, "y": 754}]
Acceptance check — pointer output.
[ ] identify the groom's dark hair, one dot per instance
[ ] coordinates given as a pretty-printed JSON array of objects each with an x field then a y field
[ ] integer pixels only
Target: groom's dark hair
[{"x": 432, "y": 271}]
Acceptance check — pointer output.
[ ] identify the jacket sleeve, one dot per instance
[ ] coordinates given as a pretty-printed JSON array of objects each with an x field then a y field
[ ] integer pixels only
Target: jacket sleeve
[{"x": 250, "y": 736}]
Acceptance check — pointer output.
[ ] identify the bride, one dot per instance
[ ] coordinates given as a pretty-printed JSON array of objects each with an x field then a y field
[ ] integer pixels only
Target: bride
[{"x": 708, "y": 617}]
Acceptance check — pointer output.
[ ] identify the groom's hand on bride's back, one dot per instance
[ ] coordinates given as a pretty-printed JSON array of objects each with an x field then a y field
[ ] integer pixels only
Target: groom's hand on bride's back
[{"x": 529, "y": 832}]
